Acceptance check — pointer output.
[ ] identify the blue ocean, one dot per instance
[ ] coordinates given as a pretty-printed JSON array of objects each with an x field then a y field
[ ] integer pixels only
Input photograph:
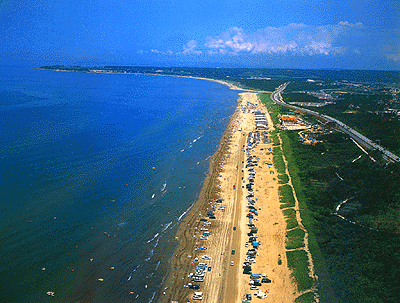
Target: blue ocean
[{"x": 97, "y": 171}]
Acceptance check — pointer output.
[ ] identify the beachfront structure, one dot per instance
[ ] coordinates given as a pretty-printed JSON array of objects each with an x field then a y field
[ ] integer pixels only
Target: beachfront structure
[
  {"x": 260, "y": 120},
  {"x": 289, "y": 120}
]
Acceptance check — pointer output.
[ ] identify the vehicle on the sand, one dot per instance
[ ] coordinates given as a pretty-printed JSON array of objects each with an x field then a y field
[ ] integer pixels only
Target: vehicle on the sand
[{"x": 193, "y": 286}]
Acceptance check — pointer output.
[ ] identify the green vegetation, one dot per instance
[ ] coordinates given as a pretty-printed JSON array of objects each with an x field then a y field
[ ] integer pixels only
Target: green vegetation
[
  {"x": 295, "y": 238},
  {"x": 277, "y": 150},
  {"x": 286, "y": 196},
  {"x": 276, "y": 140},
  {"x": 347, "y": 257},
  {"x": 289, "y": 213},
  {"x": 283, "y": 179},
  {"x": 299, "y": 97},
  {"x": 279, "y": 164},
  {"x": 291, "y": 221},
  {"x": 368, "y": 114},
  {"x": 308, "y": 297},
  {"x": 298, "y": 263}
]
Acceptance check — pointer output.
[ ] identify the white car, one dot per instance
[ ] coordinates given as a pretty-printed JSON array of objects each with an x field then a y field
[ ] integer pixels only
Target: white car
[
  {"x": 197, "y": 298},
  {"x": 232, "y": 263},
  {"x": 206, "y": 257}
]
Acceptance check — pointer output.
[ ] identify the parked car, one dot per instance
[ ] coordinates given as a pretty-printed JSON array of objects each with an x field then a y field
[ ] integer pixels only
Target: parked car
[
  {"x": 233, "y": 251},
  {"x": 194, "y": 286}
]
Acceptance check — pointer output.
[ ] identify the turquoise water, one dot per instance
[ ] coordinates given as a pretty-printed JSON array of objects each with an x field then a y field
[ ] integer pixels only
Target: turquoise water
[{"x": 96, "y": 173}]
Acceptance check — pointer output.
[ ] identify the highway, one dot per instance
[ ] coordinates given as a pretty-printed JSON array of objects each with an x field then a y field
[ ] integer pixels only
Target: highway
[{"x": 361, "y": 139}]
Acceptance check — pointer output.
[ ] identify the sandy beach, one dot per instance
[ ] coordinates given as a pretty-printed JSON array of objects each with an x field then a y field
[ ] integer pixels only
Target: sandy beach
[{"x": 224, "y": 282}]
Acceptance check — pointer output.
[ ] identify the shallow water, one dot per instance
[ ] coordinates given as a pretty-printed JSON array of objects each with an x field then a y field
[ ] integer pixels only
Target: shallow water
[{"x": 96, "y": 172}]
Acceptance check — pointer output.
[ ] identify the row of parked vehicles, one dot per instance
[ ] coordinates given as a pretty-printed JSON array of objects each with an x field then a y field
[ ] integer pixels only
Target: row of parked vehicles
[{"x": 256, "y": 280}]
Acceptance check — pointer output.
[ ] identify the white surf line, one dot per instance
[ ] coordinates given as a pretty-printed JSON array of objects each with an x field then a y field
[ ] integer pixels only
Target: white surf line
[
  {"x": 360, "y": 147},
  {"x": 130, "y": 276},
  {"x": 339, "y": 176},
  {"x": 166, "y": 226},
  {"x": 185, "y": 212},
  {"x": 357, "y": 158},
  {"x": 155, "y": 236},
  {"x": 151, "y": 300}
]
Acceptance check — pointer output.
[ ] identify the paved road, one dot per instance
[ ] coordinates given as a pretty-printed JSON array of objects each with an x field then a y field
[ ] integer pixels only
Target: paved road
[{"x": 361, "y": 139}]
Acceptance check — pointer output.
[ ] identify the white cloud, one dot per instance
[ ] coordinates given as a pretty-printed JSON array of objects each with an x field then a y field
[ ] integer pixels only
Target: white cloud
[
  {"x": 158, "y": 52},
  {"x": 391, "y": 51},
  {"x": 393, "y": 57},
  {"x": 296, "y": 38},
  {"x": 190, "y": 48}
]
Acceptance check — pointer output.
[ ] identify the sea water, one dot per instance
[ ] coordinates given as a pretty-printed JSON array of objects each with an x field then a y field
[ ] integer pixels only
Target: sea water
[{"x": 97, "y": 171}]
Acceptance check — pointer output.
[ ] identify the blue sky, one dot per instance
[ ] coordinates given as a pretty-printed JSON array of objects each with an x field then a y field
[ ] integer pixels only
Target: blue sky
[{"x": 253, "y": 33}]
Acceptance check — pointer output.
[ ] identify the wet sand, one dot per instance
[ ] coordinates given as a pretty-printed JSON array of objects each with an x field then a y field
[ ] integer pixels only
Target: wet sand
[{"x": 226, "y": 283}]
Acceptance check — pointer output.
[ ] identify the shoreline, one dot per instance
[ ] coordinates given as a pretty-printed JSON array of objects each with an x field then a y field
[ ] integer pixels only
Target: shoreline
[
  {"x": 225, "y": 282},
  {"x": 230, "y": 85},
  {"x": 179, "y": 261}
]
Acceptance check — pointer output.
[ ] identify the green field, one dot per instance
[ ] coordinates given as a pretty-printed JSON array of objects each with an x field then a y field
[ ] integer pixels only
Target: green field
[{"x": 298, "y": 263}]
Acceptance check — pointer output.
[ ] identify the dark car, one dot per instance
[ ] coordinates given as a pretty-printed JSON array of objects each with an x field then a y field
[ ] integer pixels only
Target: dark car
[
  {"x": 209, "y": 268},
  {"x": 265, "y": 280},
  {"x": 257, "y": 284},
  {"x": 234, "y": 228},
  {"x": 233, "y": 251},
  {"x": 194, "y": 286},
  {"x": 248, "y": 297}
]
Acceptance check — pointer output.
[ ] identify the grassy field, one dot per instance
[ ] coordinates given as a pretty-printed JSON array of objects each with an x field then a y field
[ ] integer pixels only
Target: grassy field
[
  {"x": 286, "y": 196},
  {"x": 291, "y": 221},
  {"x": 298, "y": 263},
  {"x": 283, "y": 179},
  {"x": 295, "y": 238},
  {"x": 308, "y": 297},
  {"x": 279, "y": 164}
]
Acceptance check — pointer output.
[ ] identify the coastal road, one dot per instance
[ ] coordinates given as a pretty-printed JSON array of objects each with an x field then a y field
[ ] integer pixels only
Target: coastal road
[{"x": 361, "y": 139}]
